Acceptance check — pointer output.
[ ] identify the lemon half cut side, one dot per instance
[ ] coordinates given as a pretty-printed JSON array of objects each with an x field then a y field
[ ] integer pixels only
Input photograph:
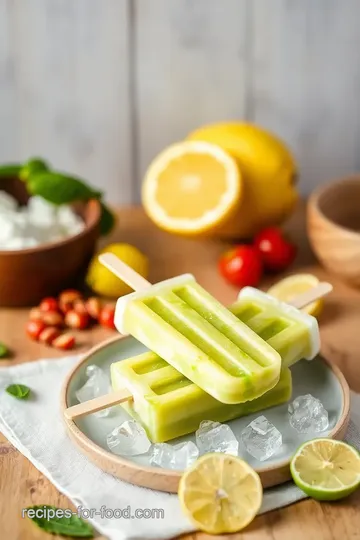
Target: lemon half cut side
[{"x": 191, "y": 188}]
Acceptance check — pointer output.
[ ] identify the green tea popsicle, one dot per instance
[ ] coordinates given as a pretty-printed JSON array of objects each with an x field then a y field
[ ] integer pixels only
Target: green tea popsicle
[
  {"x": 291, "y": 332},
  {"x": 203, "y": 340},
  {"x": 169, "y": 405}
]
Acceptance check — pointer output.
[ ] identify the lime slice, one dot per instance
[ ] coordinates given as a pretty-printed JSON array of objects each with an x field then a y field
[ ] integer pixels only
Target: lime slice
[
  {"x": 289, "y": 287},
  {"x": 220, "y": 493},
  {"x": 326, "y": 470}
]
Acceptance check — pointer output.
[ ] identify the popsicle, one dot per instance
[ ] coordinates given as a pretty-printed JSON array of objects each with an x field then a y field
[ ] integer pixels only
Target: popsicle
[
  {"x": 197, "y": 335},
  {"x": 241, "y": 308},
  {"x": 169, "y": 405},
  {"x": 292, "y": 333}
]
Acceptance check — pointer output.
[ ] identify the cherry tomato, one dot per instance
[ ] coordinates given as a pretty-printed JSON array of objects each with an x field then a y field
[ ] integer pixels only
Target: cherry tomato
[
  {"x": 34, "y": 329},
  {"x": 241, "y": 266},
  {"x": 49, "y": 304},
  {"x": 276, "y": 251},
  {"x": 107, "y": 315}
]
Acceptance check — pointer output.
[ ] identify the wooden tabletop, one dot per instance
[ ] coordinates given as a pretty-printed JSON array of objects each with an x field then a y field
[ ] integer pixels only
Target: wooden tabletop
[{"x": 21, "y": 485}]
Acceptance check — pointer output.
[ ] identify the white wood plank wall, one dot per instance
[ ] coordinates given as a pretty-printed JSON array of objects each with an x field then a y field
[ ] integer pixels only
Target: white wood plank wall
[{"x": 100, "y": 86}]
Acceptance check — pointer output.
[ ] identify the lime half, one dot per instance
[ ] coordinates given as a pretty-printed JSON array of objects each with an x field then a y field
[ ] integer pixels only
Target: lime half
[{"x": 326, "y": 470}]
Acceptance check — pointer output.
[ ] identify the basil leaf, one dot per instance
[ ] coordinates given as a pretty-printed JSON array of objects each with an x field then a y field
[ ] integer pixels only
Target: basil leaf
[
  {"x": 10, "y": 170},
  {"x": 20, "y": 391},
  {"x": 107, "y": 220},
  {"x": 4, "y": 351},
  {"x": 66, "y": 526},
  {"x": 59, "y": 189},
  {"x": 32, "y": 166}
]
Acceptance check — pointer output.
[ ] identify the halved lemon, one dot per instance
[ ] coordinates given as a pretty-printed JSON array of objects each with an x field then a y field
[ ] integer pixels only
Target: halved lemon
[
  {"x": 326, "y": 470},
  {"x": 192, "y": 188},
  {"x": 291, "y": 286},
  {"x": 220, "y": 493}
]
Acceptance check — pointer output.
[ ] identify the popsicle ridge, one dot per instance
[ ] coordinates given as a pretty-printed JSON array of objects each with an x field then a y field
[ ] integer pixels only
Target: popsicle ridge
[
  {"x": 169, "y": 405},
  {"x": 182, "y": 321},
  {"x": 265, "y": 318}
]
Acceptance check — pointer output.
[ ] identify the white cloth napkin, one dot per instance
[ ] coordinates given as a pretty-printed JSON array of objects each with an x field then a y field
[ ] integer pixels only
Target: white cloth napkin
[{"x": 35, "y": 427}]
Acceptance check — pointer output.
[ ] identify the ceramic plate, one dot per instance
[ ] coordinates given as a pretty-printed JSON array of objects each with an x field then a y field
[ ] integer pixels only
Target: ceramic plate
[{"x": 316, "y": 377}]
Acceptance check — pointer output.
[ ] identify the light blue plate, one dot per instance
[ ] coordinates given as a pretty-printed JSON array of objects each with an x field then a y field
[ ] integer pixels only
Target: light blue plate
[{"x": 315, "y": 377}]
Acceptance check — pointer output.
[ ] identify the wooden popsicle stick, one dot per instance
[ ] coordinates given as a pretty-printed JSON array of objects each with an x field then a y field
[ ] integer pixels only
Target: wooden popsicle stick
[
  {"x": 98, "y": 404},
  {"x": 124, "y": 272},
  {"x": 310, "y": 296}
]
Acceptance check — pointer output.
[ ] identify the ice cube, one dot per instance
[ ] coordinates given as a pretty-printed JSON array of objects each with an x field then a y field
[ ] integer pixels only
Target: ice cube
[
  {"x": 261, "y": 438},
  {"x": 8, "y": 228},
  {"x": 68, "y": 218},
  {"x": 128, "y": 439},
  {"x": 7, "y": 203},
  {"x": 308, "y": 415},
  {"x": 98, "y": 384},
  {"x": 13, "y": 244},
  {"x": 41, "y": 212},
  {"x": 30, "y": 242},
  {"x": 178, "y": 457},
  {"x": 215, "y": 437},
  {"x": 70, "y": 223}
]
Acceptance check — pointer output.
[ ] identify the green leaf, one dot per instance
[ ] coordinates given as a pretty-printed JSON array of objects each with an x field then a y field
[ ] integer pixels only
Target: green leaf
[
  {"x": 4, "y": 351},
  {"x": 59, "y": 189},
  {"x": 66, "y": 526},
  {"x": 107, "y": 220},
  {"x": 20, "y": 391},
  {"x": 32, "y": 166},
  {"x": 10, "y": 170}
]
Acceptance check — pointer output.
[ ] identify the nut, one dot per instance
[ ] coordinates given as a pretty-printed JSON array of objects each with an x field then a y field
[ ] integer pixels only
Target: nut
[
  {"x": 93, "y": 307},
  {"x": 36, "y": 314},
  {"x": 77, "y": 320},
  {"x": 68, "y": 298},
  {"x": 53, "y": 318},
  {"x": 64, "y": 342},
  {"x": 34, "y": 329},
  {"x": 48, "y": 335},
  {"x": 80, "y": 307}
]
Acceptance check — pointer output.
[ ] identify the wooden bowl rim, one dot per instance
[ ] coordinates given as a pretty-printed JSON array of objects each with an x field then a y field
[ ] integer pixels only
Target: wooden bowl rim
[
  {"x": 158, "y": 473},
  {"x": 314, "y": 203},
  {"x": 95, "y": 208}
]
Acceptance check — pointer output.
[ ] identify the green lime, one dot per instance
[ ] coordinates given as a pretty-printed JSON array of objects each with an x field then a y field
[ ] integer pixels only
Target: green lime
[{"x": 326, "y": 470}]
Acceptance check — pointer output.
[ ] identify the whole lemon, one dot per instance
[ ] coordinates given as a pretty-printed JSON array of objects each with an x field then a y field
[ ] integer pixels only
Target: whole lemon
[
  {"x": 268, "y": 170},
  {"x": 104, "y": 282}
]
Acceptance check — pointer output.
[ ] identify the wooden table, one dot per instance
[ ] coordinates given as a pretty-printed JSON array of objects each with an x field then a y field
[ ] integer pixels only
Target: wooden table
[{"x": 21, "y": 485}]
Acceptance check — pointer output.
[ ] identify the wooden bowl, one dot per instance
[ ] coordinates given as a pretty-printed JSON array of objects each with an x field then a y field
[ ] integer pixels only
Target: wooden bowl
[
  {"x": 333, "y": 223},
  {"x": 28, "y": 275}
]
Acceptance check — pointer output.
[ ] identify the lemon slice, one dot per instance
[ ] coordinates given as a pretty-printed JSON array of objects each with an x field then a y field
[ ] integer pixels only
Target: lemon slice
[
  {"x": 191, "y": 188},
  {"x": 220, "y": 493},
  {"x": 326, "y": 470},
  {"x": 289, "y": 287}
]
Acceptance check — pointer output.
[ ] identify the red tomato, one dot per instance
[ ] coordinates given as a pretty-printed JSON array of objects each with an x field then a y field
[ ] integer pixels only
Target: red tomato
[
  {"x": 49, "y": 304},
  {"x": 107, "y": 317},
  {"x": 276, "y": 252},
  {"x": 34, "y": 329},
  {"x": 241, "y": 266}
]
